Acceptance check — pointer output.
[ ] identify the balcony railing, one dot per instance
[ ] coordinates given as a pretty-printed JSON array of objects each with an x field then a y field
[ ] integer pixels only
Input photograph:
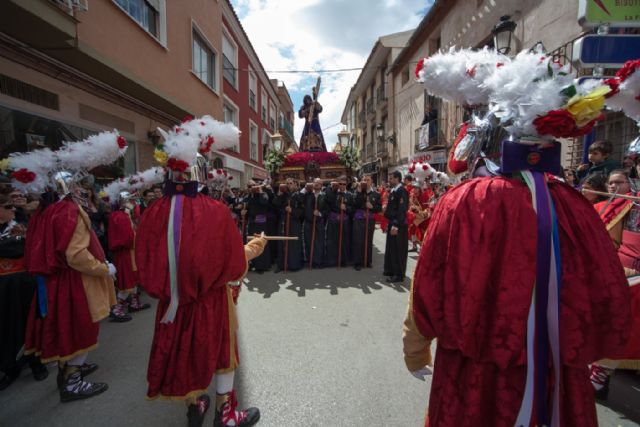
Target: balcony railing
[
  {"x": 286, "y": 127},
  {"x": 370, "y": 109},
  {"x": 381, "y": 96},
  {"x": 382, "y": 149}
]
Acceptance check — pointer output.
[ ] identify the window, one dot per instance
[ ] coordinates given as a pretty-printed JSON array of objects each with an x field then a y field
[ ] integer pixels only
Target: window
[
  {"x": 405, "y": 76},
  {"x": 230, "y": 60},
  {"x": 253, "y": 141},
  {"x": 230, "y": 116},
  {"x": 266, "y": 142},
  {"x": 272, "y": 115},
  {"x": 204, "y": 61},
  {"x": 263, "y": 102},
  {"x": 253, "y": 90},
  {"x": 144, "y": 12}
]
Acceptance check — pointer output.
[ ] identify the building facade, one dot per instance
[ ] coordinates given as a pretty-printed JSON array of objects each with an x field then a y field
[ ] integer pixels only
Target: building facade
[
  {"x": 286, "y": 117},
  {"x": 368, "y": 112},
  {"x": 72, "y": 68}
]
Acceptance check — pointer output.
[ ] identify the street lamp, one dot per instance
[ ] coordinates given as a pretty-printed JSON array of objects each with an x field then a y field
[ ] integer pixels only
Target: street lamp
[
  {"x": 502, "y": 34},
  {"x": 276, "y": 140},
  {"x": 380, "y": 130},
  {"x": 344, "y": 136}
]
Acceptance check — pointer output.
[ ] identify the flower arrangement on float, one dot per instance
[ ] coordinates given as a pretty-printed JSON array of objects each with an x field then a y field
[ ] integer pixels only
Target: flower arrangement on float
[
  {"x": 274, "y": 161},
  {"x": 350, "y": 157}
]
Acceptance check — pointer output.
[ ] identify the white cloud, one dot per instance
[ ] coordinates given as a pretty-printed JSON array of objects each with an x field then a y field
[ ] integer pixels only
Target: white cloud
[{"x": 321, "y": 35}]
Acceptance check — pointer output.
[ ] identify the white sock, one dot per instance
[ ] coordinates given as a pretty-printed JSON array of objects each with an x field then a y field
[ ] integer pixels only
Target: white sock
[
  {"x": 78, "y": 360},
  {"x": 224, "y": 383}
]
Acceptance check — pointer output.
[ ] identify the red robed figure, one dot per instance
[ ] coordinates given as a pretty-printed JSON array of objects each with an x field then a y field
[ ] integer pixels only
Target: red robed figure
[
  {"x": 473, "y": 288},
  {"x": 201, "y": 341},
  {"x": 121, "y": 239}
]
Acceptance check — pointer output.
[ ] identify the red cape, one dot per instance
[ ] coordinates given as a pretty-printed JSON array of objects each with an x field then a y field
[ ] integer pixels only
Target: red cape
[
  {"x": 473, "y": 287},
  {"x": 121, "y": 239},
  {"x": 68, "y": 329},
  {"x": 613, "y": 211},
  {"x": 186, "y": 353}
]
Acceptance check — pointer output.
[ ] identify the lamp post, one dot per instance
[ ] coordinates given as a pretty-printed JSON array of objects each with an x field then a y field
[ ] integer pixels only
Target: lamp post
[
  {"x": 344, "y": 136},
  {"x": 503, "y": 33},
  {"x": 276, "y": 140}
]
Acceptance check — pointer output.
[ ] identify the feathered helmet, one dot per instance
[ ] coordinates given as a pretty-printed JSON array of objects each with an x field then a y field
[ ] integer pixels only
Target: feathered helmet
[
  {"x": 37, "y": 171},
  {"x": 122, "y": 190},
  {"x": 530, "y": 99},
  {"x": 425, "y": 174},
  {"x": 218, "y": 179},
  {"x": 194, "y": 137}
]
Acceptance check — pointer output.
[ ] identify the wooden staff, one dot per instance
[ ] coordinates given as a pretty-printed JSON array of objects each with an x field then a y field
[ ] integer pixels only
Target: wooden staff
[
  {"x": 340, "y": 231},
  {"x": 612, "y": 195},
  {"x": 313, "y": 232},
  {"x": 366, "y": 234},
  {"x": 286, "y": 243}
]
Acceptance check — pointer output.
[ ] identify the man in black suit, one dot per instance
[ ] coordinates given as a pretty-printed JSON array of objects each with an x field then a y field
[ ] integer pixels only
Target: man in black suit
[{"x": 396, "y": 249}]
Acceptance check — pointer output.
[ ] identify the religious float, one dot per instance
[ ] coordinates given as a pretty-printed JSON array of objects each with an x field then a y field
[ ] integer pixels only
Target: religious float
[{"x": 313, "y": 160}]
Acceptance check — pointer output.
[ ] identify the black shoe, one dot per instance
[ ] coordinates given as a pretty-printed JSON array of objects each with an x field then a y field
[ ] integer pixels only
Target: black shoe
[
  {"x": 118, "y": 315},
  {"x": 75, "y": 388},
  {"x": 396, "y": 279},
  {"x": 86, "y": 370},
  {"x": 357, "y": 267},
  {"x": 9, "y": 378},
  {"x": 38, "y": 370},
  {"x": 197, "y": 412},
  {"x": 603, "y": 393},
  {"x": 251, "y": 417}
]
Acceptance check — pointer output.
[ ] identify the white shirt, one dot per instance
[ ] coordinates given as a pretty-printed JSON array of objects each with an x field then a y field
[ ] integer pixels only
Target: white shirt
[{"x": 396, "y": 187}]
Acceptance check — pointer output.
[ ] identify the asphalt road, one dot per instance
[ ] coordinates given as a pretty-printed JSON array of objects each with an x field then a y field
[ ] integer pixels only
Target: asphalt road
[{"x": 319, "y": 348}]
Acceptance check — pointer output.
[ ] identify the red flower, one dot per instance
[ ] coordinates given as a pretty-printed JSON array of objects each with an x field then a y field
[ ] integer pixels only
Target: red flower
[
  {"x": 627, "y": 69},
  {"x": 178, "y": 129},
  {"x": 230, "y": 178},
  {"x": 471, "y": 72},
  {"x": 24, "y": 176},
  {"x": 614, "y": 84},
  {"x": 419, "y": 68},
  {"x": 424, "y": 167},
  {"x": 561, "y": 124},
  {"x": 500, "y": 64},
  {"x": 207, "y": 145},
  {"x": 210, "y": 175},
  {"x": 219, "y": 172},
  {"x": 177, "y": 165},
  {"x": 187, "y": 118},
  {"x": 558, "y": 123},
  {"x": 302, "y": 158},
  {"x": 122, "y": 143}
]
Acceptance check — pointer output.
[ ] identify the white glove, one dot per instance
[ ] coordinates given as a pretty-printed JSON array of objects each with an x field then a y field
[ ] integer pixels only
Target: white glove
[
  {"x": 112, "y": 269},
  {"x": 422, "y": 373}
]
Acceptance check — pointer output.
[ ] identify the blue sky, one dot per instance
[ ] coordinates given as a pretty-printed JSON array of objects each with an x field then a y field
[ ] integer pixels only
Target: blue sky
[{"x": 322, "y": 34}]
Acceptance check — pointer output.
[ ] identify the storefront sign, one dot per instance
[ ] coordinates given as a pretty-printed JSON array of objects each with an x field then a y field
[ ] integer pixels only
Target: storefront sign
[
  {"x": 617, "y": 13},
  {"x": 608, "y": 50},
  {"x": 369, "y": 168},
  {"x": 431, "y": 157}
]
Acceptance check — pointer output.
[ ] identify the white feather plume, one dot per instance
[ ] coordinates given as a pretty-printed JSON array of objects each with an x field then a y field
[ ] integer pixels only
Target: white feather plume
[
  {"x": 40, "y": 162},
  {"x": 135, "y": 182},
  {"x": 422, "y": 171},
  {"x": 185, "y": 141},
  {"x": 627, "y": 99},
  {"x": 522, "y": 90},
  {"x": 458, "y": 74},
  {"x": 96, "y": 150}
]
